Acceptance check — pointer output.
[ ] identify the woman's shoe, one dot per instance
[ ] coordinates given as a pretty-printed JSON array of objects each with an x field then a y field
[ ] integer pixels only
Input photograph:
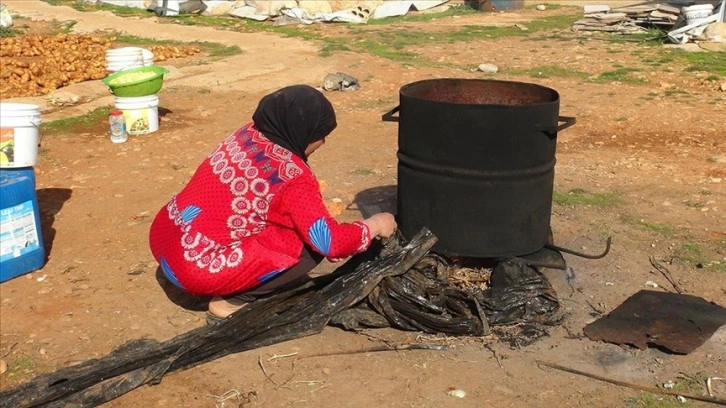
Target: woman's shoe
[{"x": 221, "y": 307}]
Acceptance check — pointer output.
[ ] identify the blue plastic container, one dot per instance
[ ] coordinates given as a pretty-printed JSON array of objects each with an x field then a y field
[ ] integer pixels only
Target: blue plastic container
[
  {"x": 507, "y": 4},
  {"x": 21, "y": 238}
]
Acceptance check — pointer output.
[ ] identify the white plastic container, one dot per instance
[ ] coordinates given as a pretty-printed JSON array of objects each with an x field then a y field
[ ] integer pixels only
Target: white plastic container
[
  {"x": 118, "y": 59},
  {"x": 697, "y": 13},
  {"x": 19, "y": 134},
  {"x": 141, "y": 113},
  {"x": 147, "y": 57}
]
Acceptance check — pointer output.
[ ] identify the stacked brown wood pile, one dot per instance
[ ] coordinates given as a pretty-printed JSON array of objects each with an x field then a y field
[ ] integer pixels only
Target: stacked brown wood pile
[{"x": 628, "y": 20}]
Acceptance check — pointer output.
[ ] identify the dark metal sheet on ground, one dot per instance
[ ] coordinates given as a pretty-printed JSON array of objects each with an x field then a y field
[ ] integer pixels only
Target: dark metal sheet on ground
[{"x": 677, "y": 322}]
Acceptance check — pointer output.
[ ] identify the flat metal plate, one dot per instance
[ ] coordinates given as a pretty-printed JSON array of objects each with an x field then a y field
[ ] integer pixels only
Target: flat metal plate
[{"x": 679, "y": 323}]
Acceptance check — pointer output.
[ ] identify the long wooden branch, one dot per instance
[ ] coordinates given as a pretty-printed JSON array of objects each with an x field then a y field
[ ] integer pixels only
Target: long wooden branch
[{"x": 298, "y": 313}]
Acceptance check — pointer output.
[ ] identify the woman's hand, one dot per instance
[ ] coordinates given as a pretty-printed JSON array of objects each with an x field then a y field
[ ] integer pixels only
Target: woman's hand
[{"x": 381, "y": 225}]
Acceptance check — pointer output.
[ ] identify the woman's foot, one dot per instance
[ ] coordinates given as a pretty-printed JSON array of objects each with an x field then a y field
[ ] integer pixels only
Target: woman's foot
[{"x": 221, "y": 307}]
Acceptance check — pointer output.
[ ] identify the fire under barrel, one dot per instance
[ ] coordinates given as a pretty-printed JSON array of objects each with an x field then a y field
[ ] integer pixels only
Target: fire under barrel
[{"x": 476, "y": 163}]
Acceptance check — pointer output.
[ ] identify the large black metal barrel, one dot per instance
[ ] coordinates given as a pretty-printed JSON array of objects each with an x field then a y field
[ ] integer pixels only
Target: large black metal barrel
[{"x": 476, "y": 163}]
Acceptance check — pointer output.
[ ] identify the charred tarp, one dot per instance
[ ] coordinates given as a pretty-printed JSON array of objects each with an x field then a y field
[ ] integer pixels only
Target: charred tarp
[{"x": 397, "y": 286}]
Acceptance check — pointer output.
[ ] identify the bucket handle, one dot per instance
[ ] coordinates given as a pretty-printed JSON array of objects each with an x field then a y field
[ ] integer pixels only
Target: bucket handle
[{"x": 388, "y": 116}]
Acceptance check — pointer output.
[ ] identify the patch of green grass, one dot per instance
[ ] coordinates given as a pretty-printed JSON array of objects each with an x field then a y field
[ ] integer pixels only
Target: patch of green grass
[
  {"x": 363, "y": 172},
  {"x": 331, "y": 45},
  {"x": 675, "y": 92},
  {"x": 711, "y": 62},
  {"x": 622, "y": 74},
  {"x": 392, "y": 43},
  {"x": 375, "y": 104},
  {"x": 552, "y": 23},
  {"x": 205, "y": 21},
  {"x": 653, "y": 37},
  {"x": 664, "y": 230},
  {"x": 579, "y": 196},
  {"x": 694, "y": 384},
  {"x": 691, "y": 383},
  {"x": 648, "y": 400},
  {"x": 10, "y": 32},
  {"x": 548, "y": 71},
  {"x": 86, "y": 6},
  {"x": 692, "y": 253},
  {"x": 422, "y": 17},
  {"x": 660, "y": 60},
  {"x": 23, "y": 366},
  {"x": 214, "y": 49},
  {"x": 78, "y": 124},
  {"x": 713, "y": 78},
  {"x": 135, "y": 40},
  {"x": 220, "y": 50}
]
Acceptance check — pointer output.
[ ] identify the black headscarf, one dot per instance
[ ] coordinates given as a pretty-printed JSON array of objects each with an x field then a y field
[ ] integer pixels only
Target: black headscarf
[{"x": 295, "y": 116}]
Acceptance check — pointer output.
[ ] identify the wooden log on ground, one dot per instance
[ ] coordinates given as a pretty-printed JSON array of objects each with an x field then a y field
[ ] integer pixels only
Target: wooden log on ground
[{"x": 297, "y": 313}]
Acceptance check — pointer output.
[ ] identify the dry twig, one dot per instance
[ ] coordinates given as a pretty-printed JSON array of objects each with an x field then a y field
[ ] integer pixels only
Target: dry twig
[
  {"x": 264, "y": 371},
  {"x": 495, "y": 354},
  {"x": 222, "y": 399},
  {"x": 276, "y": 357},
  {"x": 666, "y": 274}
]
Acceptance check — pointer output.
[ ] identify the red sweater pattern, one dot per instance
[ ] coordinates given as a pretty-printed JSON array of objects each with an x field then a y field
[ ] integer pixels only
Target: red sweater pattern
[{"x": 244, "y": 217}]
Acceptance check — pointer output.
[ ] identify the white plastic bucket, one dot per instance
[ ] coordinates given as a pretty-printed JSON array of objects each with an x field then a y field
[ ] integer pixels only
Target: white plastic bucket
[
  {"x": 141, "y": 113},
  {"x": 147, "y": 57},
  {"x": 19, "y": 134},
  {"x": 119, "y": 59},
  {"x": 697, "y": 13}
]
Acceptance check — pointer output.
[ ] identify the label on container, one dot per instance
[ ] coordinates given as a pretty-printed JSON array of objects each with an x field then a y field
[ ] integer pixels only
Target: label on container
[
  {"x": 137, "y": 121},
  {"x": 7, "y": 146},
  {"x": 18, "y": 231}
]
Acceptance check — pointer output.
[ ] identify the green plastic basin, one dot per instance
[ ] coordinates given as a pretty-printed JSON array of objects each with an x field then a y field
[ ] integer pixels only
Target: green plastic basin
[{"x": 142, "y": 81}]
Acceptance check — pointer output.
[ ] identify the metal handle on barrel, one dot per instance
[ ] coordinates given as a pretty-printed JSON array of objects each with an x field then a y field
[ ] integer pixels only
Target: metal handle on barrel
[
  {"x": 568, "y": 121},
  {"x": 551, "y": 131},
  {"x": 388, "y": 116}
]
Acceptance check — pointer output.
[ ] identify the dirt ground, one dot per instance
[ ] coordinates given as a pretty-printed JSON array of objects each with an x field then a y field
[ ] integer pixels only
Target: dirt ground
[{"x": 657, "y": 149}]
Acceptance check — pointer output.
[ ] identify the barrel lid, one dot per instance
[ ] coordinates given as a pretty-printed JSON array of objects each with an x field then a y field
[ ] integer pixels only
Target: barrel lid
[{"x": 116, "y": 112}]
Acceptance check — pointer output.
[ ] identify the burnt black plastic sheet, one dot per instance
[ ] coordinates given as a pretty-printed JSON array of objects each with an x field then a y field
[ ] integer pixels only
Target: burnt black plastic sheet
[{"x": 677, "y": 322}]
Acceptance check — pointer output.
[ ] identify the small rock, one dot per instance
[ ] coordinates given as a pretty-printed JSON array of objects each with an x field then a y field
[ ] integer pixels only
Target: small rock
[
  {"x": 458, "y": 393},
  {"x": 722, "y": 87},
  {"x": 42, "y": 351},
  {"x": 42, "y": 278},
  {"x": 488, "y": 68},
  {"x": 541, "y": 7},
  {"x": 326, "y": 371},
  {"x": 63, "y": 98},
  {"x": 651, "y": 284},
  {"x": 3, "y": 366}
]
